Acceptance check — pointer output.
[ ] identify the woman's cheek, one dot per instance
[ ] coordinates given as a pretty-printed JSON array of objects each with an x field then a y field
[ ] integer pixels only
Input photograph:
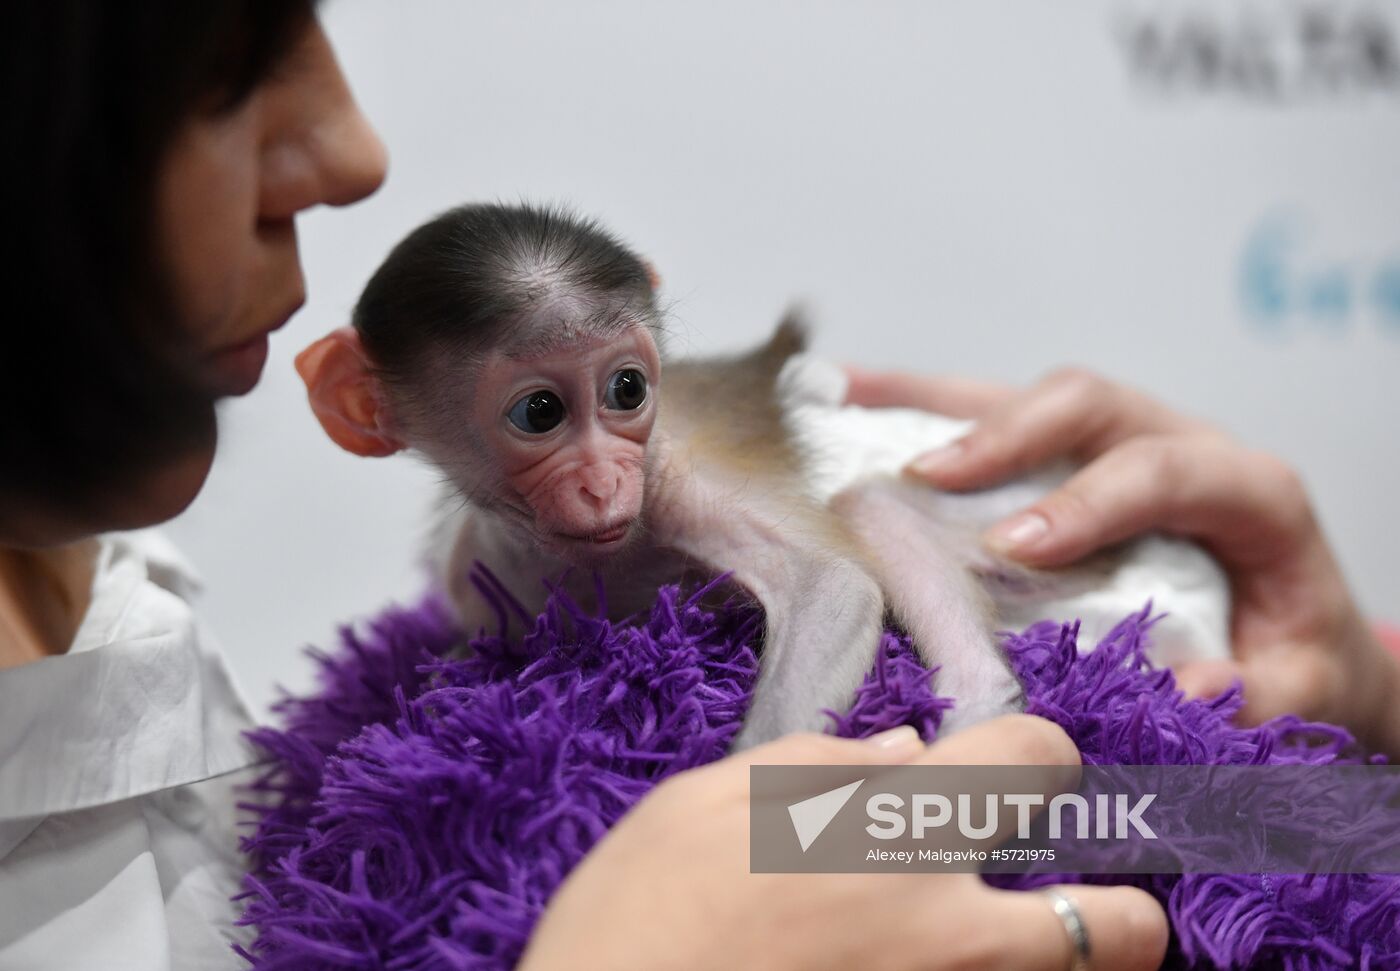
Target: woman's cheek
[{"x": 207, "y": 199}]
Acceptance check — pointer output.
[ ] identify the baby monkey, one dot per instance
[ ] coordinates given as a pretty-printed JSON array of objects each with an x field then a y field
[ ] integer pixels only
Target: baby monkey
[{"x": 518, "y": 349}]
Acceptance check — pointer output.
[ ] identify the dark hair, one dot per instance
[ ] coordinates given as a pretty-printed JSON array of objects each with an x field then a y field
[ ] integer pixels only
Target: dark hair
[
  {"x": 90, "y": 393},
  {"x": 454, "y": 282}
]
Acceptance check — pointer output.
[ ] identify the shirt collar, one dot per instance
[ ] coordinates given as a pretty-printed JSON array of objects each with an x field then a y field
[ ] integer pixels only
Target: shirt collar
[{"x": 141, "y": 702}]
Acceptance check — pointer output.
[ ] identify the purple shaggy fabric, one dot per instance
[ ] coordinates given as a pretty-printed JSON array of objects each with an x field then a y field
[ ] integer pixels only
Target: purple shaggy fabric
[{"x": 419, "y": 812}]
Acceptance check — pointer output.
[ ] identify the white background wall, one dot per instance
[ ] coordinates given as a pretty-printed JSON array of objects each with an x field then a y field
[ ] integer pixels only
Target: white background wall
[{"x": 991, "y": 188}]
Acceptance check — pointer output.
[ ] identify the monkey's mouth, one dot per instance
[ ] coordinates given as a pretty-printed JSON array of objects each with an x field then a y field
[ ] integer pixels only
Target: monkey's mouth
[{"x": 606, "y": 537}]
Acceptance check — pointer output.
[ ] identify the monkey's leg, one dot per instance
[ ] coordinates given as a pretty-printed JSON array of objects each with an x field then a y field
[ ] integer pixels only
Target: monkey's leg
[
  {"x": 924, "y": 569},
  {"x": 823, "y": 610}
]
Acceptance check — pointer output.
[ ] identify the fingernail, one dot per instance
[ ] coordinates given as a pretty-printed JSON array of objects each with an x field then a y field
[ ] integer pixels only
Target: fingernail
[
  {"x": 938, "y": 459},
  {"x": 905, "y": 736},
  {"x": 1018, "y": 532}
]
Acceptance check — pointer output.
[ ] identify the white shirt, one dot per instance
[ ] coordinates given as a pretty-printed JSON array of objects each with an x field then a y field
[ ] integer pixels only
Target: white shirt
[{"x": 118, "y": 762}]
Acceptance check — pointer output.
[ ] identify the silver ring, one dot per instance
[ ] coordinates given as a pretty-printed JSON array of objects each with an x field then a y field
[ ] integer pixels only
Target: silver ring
[{"x": 1068, "y": 912}]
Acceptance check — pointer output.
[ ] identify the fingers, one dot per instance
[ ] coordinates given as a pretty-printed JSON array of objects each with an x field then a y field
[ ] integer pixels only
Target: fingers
[
  {"x": 1008, "y": 740},
  {"x": 1127, "y": 929},
  {"x": 954, "y": 397},
  {"x": 1071, "y": 413},
  {"x": 1047, "y": 763},
  {"x": 1207, "y": 679},
  {"x": 1128, "y": 491},
  {"x": 1245, "y": 507},
  {"x": 1284, "y": 679},
  {"x": 1263, "y": 696},
  {"x": 896, "y": 746},
  {"x": 1275, "y": 680}
]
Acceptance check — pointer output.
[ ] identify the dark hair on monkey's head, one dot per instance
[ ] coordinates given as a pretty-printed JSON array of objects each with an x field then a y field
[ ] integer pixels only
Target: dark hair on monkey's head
[{"x": 486, "y": 273}]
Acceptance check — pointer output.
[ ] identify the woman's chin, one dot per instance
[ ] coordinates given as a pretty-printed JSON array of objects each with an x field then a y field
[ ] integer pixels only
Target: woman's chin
[
  {"x": 155, "y": 497},
  {"x": 164, "y": 493}
]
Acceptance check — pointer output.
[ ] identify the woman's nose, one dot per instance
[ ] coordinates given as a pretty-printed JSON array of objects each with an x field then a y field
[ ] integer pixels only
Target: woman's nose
[
  {"x": 355, "y": 159},
  {"x": 318, "y": 146}
]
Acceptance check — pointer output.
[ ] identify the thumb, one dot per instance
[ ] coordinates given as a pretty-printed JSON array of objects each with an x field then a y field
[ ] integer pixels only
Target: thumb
[
  {"x": 1208, "y": 679},
  {"x": 894, "y": 747},
  {"x": 1282, "y": 680}
]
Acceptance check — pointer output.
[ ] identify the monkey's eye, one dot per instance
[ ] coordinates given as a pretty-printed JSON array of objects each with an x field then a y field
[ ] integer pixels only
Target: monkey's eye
[
  {"x": 627, "y": 389},
  {"x": 537, "y": 413}
]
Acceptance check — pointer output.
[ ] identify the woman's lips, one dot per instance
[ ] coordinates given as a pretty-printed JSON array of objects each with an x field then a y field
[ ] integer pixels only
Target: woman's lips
[{"x": 236, "y": 369}]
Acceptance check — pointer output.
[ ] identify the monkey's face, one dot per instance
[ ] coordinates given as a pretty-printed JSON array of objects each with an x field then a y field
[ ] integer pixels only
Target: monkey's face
[{"x": 569, "y": 430}]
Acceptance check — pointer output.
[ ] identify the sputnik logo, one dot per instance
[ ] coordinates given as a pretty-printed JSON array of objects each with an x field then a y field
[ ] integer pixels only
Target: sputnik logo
[{"x": 811, "y": 817}]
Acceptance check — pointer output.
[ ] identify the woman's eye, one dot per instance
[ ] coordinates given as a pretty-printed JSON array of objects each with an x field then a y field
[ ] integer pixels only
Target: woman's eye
[
  {"x": 627, "y": 389},
  {"x": 537, "y": 413}
]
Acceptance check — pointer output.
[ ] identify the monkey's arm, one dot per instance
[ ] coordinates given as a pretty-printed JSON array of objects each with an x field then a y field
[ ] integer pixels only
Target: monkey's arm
[
  {"x": 469, "y": 538},
  {"x": 735, "y": 497},
  {"x": 823, "y": 611}
]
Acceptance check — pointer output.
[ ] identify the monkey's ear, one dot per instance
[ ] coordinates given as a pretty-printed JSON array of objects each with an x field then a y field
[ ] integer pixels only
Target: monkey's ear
[
  {"x": 653, "y": 277},
  {"x": 345, "y": 394}
]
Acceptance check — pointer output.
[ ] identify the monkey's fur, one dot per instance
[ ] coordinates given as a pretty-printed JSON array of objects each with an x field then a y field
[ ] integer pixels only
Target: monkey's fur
[{"x": 724, "y": 481}]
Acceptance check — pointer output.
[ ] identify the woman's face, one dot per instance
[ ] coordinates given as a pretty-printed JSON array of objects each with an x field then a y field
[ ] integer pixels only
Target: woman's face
[
  {"x": 227, "y": 194},
  {"x": 228, "y": 189}
]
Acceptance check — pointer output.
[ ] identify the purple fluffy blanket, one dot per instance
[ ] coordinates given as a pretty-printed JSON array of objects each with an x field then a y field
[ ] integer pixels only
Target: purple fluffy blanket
[{"x": 419, "y": 811}]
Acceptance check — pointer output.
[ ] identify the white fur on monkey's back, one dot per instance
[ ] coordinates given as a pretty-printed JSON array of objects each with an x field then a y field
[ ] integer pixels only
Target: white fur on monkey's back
[{"x": 757, "y": 470}]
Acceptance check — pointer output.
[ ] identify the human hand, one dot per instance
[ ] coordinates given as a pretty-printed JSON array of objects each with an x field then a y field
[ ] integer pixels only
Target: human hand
[
  {"x": 670, "y": 887},
  {"x": 1300, "y": 643}
]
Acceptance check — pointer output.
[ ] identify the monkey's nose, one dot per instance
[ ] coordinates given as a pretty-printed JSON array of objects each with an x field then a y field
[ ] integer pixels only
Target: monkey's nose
[{"x": 600, "y": 482}]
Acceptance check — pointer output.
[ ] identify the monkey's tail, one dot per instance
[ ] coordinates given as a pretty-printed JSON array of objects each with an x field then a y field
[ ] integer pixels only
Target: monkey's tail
[{"x": 791, "y": 337}]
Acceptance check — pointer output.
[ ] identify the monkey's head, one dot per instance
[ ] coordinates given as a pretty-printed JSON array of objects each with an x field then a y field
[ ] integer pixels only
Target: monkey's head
[{"x": 516, "y": 348}]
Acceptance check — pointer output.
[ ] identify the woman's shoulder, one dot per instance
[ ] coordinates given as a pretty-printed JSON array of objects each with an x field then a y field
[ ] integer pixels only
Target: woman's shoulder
[
  {"x": 118, "y": 797},
  {"x": 141, "y": 702},
  {"x": 166, "y": 565}
]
